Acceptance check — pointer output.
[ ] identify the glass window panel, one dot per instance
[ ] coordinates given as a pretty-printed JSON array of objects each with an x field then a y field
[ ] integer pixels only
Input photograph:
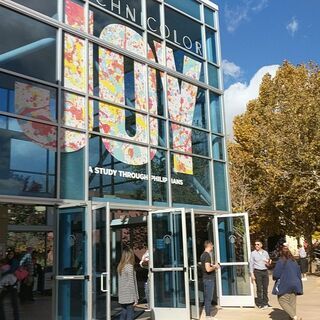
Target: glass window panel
[
  {"x": 72, "y": 241},
  {"x": 209, "y": 17},
  {"x": 31, "y": 47},
  {"x": 71, "y": 299},
  {"x": 215, "y": 112},
  {"x": 117, "y": 35},
  {"x": 235, "y": 281},
  {"x": 179, "y": 57},
  {"x": 232, "y": 239},
  {"x": 72, "y": 164},
  {"x": 27, "y": 98},
  {"x": 182, "y": 137},
  {"x": 213, "y": 75},
  {"x": 155, "y": 51},
  {"x": 200, "y": 112},
  {"x": 176, "y": 31},
  {"x": 220, "y": 182},
  {"x": 159, "y": 177},
  {"x": 73, "y": 110},
  {"x": 24, "y": 158},
  {"x": 211, "y": 45},
  {"x": 167, "y": 251},
  {"x": 27, "y": 215},
  {"x": 193, "y": 188},
  {"x": 153, "y": 16},
  {"x": 111, "y": 176},
  {"x": 158, "y": 132},
  {"x": 128, "y": 9},
  {"x": 156, "y": 92},
  {"x": 47, "y": 7},
  {"x": 169, "y": 289},
  {"x": 218, "y": 148},
  {"x": 74, "y": 14},
  {"x": 190, "y": 7}
]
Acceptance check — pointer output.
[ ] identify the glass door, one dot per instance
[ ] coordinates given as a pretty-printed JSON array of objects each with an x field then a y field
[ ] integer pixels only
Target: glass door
[
  {"x": 169, "y": 272},
  {"x": 71, "y": 268},
  {"x": 100, "y": 261},
  {"x": 192, "y": 264},
  {"x": 232, "y": 249}
]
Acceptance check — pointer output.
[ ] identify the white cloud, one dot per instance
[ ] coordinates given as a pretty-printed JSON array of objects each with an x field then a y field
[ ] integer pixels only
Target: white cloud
[
  {"x": 235, "y": 15},
  {"x": 239, "y": 94},
  {"x": 230, "y": 69},
  {"x": 293, "y": 26}
]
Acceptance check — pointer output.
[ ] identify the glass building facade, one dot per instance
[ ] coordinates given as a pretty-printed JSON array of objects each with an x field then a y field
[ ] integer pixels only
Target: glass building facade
[{"x": 116, "y": 103}]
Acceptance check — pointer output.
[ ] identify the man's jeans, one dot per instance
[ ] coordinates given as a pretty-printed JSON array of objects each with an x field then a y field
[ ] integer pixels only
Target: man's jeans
[
  {"x": 127, "y": 312},
  {"x": 262, "y": 282},
  {"x": 208, "y": 287}
]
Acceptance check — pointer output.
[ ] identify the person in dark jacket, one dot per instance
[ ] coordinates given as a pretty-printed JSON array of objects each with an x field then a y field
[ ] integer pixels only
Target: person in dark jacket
[{"x": 288, "y": 284}]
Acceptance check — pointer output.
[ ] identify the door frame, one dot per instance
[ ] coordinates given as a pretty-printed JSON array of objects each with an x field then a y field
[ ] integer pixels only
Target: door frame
[
  {"x": 224, "y": 300},
  {"x": 162, "y": 313}
]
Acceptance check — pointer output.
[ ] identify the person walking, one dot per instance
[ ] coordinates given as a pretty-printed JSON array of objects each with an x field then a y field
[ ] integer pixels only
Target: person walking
[
  {"x": 128, "y": 289},
  {"x": 303, "y": 262},
  {"x": 259, "y": 263},
  {"x": 27, "y": 284},
  {"x": 8, "y": 285},
  {"x": 209, "y": 276},
  {"x": 288, "y": 284}
]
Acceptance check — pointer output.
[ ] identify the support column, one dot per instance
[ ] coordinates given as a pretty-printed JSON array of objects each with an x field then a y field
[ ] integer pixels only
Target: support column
[{"x": 3, "y": 229}]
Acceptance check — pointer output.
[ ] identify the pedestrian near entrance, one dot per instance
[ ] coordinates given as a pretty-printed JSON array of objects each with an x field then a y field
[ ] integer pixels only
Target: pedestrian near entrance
[
  {"x": 259, "y": 263},
  {"x": 303, "y": 262},
  {"x": 288, "y": 284},
  {"x": 128, "y": 289},
  {"x": 144, "y": 263},
  {"x": 209, "y": 276}
]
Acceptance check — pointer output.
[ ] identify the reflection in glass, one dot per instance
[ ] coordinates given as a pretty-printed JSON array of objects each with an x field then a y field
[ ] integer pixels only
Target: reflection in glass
[
  {"x": 200, "y": 112},
  {"x": 193, "y": 189},
  {"x": 220, "y": 183},
  {"x": 179, "y": 57},
  {"x": 27, "y": 215},
  {"x": 190, "y": 7},
  {"x": 200, "y": 144},
  {"x": 232, "y": 239},
  {"x": 213, "y": 75},
  {"x": 169, "y": 289},
  {"x": 209, "y": 17},
  {"x": 72, "y": 241},
  {"x": 153, "y": 16},
  {"x": 47, "y": 7},
  {"x": 218, "y": 148},
  {"x": 211, "y": 45},
  {"x": 31, "y": 47},
  {"x": 25, "y": 168},
  {"x": 189, "y": 38},
  {"x": 156, "y": 93},
  {"x": 27, "y": 98},
  {"x": 71, "y": 299},
  {"x": 167, "y": 240},
  {"x": 159, "y": 177},
  {"x": 112, "y": 178},
  {"x": 235, "y": 280},
  {"x": 215, "y": 113}
]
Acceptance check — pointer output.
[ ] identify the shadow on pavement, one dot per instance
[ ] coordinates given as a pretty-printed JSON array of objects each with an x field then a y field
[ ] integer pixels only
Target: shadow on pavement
[{"x": 278, "y": 314}]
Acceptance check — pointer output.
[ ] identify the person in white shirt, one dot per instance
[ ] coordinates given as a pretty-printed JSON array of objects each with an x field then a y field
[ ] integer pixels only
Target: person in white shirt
[
  {"x": 259, "y": 263},
  {"x": 303, "y": 261}
]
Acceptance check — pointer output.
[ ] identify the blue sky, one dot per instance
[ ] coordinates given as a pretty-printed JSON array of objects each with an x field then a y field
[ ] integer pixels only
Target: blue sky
[{"x": 259, "y": 34}]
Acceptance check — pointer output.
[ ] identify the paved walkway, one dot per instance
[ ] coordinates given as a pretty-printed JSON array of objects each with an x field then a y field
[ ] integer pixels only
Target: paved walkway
[{"x": 308, "y": 306}]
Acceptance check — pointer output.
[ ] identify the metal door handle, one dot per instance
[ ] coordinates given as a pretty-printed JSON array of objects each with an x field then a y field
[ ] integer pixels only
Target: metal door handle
[
  {"x": 191, "y": 274},
  {"x": 103, "y": 275}
]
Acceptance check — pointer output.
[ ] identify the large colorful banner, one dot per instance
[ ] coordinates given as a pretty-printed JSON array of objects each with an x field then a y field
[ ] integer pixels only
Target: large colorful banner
[{"x": 181, "y": 98}]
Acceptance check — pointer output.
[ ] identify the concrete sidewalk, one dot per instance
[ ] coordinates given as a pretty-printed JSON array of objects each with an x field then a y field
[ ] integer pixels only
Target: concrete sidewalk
[{"x": 308, "y": 306}]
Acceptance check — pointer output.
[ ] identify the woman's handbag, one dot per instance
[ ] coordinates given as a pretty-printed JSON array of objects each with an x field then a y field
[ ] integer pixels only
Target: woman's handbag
[{"x": 21, "y": 273}]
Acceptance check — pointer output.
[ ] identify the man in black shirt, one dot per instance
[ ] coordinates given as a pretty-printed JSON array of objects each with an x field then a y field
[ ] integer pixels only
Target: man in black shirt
[{"x": 209, "y": 275}]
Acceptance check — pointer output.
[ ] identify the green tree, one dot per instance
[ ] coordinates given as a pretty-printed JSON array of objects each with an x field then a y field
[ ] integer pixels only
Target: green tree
[{"x": 275, "y": 155}]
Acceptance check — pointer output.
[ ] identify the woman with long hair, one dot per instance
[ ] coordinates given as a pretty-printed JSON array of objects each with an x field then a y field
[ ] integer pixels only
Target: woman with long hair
[
  {"x": 288, "y": 284},
  {"x": 128, "y": 289}
]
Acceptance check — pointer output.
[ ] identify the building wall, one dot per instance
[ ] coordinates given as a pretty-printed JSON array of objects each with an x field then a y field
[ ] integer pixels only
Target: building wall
[{"x": 118, "y": 99}]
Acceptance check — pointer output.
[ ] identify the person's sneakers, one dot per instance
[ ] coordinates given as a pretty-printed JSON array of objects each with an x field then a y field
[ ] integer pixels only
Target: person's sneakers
[
  {"x": 304, "y": 279},
  {"x": 269, "y": 305},
  {"x": 264, "y": 307}
]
